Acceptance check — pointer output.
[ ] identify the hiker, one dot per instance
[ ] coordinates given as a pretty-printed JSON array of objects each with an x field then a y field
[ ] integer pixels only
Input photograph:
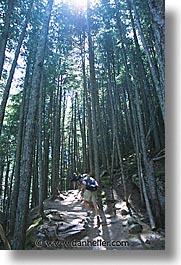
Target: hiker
[
  {"x": 89, "y": 194},
  {"x": 79, "y": 182},
  {"x": 75, "y": 180}
]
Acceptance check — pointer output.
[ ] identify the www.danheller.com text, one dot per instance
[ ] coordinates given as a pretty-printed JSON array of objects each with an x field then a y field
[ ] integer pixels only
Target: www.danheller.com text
[{"x": 83, "y": 243}]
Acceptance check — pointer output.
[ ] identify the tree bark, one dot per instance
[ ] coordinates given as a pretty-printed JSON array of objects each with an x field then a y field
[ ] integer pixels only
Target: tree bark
[
  {"x": 159, "y": 86},
  {"x": 84, "y": 142},
  {"x": 5, "y": 33},
  {"x": 94, "y": 96},
  {"x": 25, "y": 176},
  {"x": 56, "y": 140},
  {"x": 22, "y": 118},
  {"x": 40, "y": 150}
]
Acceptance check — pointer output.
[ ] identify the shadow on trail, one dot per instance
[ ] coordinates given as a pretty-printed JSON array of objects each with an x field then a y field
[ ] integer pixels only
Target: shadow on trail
[{"x": 112, "y": 233}]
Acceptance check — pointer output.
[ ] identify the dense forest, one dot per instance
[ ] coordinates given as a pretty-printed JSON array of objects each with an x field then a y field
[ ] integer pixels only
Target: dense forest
[{"x": 81, "y": 90}]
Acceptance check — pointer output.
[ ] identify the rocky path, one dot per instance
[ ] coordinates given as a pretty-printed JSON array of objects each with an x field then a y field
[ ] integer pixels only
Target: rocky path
[{"x": 67, "y": 226}]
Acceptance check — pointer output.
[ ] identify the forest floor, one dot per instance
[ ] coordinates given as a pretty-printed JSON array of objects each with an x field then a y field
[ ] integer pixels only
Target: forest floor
[{"x": 67, "y": 226}]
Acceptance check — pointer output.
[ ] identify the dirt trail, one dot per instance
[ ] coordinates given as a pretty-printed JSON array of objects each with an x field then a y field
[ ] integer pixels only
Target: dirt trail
[{"x": 68, "y": 227}]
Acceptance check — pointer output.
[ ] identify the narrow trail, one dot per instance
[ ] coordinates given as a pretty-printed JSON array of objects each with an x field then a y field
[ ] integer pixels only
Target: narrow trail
[{"x": 67, "y": 226}]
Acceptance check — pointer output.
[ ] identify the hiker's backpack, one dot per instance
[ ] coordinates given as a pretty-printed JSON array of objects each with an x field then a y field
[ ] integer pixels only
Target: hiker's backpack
[{"x": 91, "y": 184}]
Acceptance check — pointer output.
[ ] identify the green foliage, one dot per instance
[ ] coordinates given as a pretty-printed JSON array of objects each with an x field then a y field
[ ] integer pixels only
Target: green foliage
[
  {"x": 10, "y": 127},
  {"x": 106, "y": 181}
]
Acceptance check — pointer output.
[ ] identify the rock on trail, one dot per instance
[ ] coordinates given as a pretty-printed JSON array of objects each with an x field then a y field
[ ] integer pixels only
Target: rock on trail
[{"x": 66, "y": 226}]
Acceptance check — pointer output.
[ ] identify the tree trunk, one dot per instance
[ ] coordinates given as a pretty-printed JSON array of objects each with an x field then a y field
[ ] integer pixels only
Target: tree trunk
[
  {"x": 2, "y": 165},
  {"x": 25, "y": 176},
  {"x": 62, "y": 164},
  {"x": 13, "y": 67},
  {"x": 47, "y": 146},
  {"x": 90, "y": 136},
  {"x": 56, "y": 140},
  {"x": 145, "y": 88},
  {"x": 40, "y": 150},
  {"x": 5, "y": 33},
  {"x": 6, "y": 186},
  {"x": 35, "y": 189},
  {"x": 148, "y": 207},
  {"x": 22, "y": 116},
  {"x": 148, "y": 165},
  {"x": 84, "y": 142},
  {"x": 159, "y": 86},
  {"x": 157, "y": 9},
  {"x": 94, "y": 97},
  {"x": 74, "y": 132}
]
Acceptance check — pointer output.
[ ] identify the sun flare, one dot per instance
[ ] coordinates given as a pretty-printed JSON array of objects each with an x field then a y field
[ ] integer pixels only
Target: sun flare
[{"x": 82, "y": 4}]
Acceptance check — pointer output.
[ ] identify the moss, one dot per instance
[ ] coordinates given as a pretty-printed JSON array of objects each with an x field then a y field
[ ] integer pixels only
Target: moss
[
  {"x": 30, "y": 230},
  {"x": 106, "y": 181},
  {"x": 35, "y": 223},
  {"x": 159, "y": 174}
]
